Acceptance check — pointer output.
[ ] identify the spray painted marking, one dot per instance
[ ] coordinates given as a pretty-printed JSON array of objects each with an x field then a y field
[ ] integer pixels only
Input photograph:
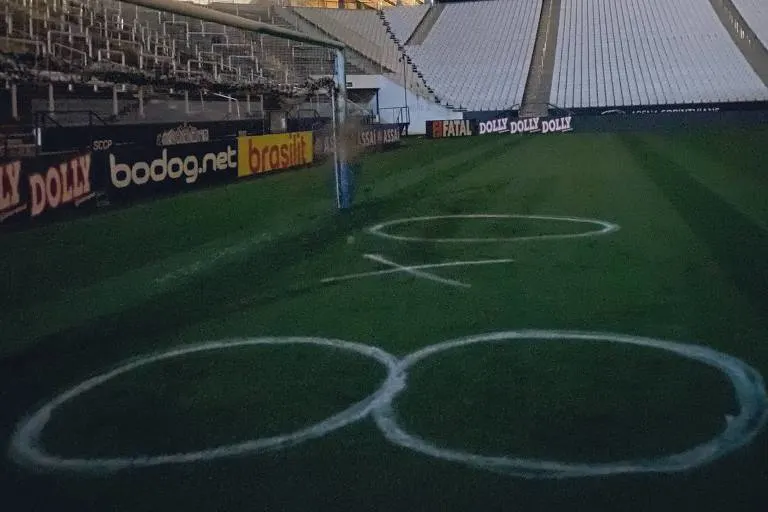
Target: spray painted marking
[
  {"x": 417, "y": 267},
  {"x": 26, "y": 447},
  {"x": 742, "y": 428},
  {"x": 83, "y": 199},
  {"x": 211, "y": 259},
  {"x": 415, "y": 272},
  {"x": 380, "y": 229},
  {"x": 13, "y": 212}
]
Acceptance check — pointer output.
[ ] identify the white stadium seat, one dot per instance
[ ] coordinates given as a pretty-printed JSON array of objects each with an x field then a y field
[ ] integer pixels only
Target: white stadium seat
[
  {"x": 755, "y": 13},
  {"x": 649, "y": 52},
  {"x": 404, "y": 19},
  {"x": 477, "y": 55}
]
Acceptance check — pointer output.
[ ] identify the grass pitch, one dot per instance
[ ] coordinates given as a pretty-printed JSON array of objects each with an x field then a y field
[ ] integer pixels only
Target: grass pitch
[{"x": 689, "y": 264}]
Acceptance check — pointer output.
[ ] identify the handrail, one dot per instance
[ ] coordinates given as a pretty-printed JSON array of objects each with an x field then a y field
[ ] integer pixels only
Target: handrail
[{"x": 204, "y": 13}]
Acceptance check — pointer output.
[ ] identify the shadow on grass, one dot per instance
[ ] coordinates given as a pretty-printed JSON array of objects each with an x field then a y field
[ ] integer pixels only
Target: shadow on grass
[
  {"x": 739, "y": 244},
  {"x": 258, "y": 281}
]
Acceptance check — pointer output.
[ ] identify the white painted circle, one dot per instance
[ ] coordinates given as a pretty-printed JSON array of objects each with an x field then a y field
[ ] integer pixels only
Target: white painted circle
[
  {"x": 740, "y": 430},
  {"x": 604, "y": 228},
  {"x": 26, "y": 447}
]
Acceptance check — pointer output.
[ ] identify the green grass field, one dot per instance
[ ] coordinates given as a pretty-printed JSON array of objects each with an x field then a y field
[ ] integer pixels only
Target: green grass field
[{"x": 689, "y": 264}]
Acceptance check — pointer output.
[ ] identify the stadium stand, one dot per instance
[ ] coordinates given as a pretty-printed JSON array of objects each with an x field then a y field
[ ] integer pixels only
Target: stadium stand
[
  {"x": 403, "y": 20},
  {"x": 363, "y": 28},
  {"x": 477, "y": 55},
  {"x": 364, "y": 31},
  {"x": 84, "y": 48},
  {"x": 650, "y": 52},
  {"x": 755, "y": 13}
]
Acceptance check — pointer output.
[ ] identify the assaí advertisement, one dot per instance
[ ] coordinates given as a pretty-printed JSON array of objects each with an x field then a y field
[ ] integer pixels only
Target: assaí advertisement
[
  {"x": 265, "y": 153},
  {"x": 36, "y": 188}
]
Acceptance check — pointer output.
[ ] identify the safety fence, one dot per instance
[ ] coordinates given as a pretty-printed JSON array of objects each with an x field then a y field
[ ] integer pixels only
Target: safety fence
[{"x": 146, "y": 162}]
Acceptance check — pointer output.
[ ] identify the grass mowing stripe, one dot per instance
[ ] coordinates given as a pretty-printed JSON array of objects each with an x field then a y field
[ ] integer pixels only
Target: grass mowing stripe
[
  {"x": 421, "y": 182},
  {"x": 735, "y": 172},
  {"x": 84, "y": 251},
  {"x": 99, "y": 299},
  {"x": 739, "y": 244},
  {"x": 656, "y": 277}
]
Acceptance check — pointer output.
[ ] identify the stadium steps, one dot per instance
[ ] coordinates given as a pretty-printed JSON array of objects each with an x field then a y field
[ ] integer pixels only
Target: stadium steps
[
  {"x": 746, "y": 39},
  {"x": 354, "y": 58},
  {"x": 324, "y": 20},
  {"x": 276, "y": 52},
  {"x": 401, "y": 21},
  {"x": 425, "y": 25},
  {"x": 406, "y": 24},
  {"x": 379, "y": 48},
  {"x": 539, "y": 82}
]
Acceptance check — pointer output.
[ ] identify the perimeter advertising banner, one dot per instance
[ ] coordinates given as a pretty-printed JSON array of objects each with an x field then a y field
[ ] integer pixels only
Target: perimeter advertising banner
[
  {"x": 450, "y": 128},
  {"x": 102, "y": 138},
  {"x": 41, "y": 187},
  {"x": 377, "y": 137},
  {"x": 511, "y": 125},
  {"x": 173, "y": 168},
  {"x": 265, "y": 153}
]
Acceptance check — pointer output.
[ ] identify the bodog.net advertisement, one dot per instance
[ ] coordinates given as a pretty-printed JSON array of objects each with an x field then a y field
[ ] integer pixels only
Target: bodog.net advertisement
[
  {"x": 265, "y": 153},
  {"x": 39, "y": 188},
  {"x": 149, "y": 170}
]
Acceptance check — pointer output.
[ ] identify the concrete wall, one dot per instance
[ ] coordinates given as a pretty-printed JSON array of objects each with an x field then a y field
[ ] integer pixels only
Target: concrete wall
[{"x": 391, "y": 95}]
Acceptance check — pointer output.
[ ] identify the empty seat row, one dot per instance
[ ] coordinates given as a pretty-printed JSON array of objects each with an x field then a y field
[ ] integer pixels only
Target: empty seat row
[
  {"x": 477, "y": 55},
  {"x": 647, "y": 52},
  {"x": 755, "y": 13},
  {"x": 403, "y": 20},
  {"x": 364, "y": 31}
]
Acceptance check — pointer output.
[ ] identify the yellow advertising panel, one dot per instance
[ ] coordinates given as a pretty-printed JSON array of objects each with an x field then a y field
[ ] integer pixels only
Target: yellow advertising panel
[{"x": 264, "y": 153}]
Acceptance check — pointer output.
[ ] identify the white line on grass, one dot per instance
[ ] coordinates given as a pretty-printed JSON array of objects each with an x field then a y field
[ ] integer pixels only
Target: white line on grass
[
  {"x": 81, "y": 305},
  {"x": 417, "y": 267},
  {"x": 12, "y": 212},
  {"x": 739, "y": 431},
  {"x": 211, "y": 258},
  {"x": 749, "y": 388},
  {"x": 27, "y": 449},
  {"x": 415, "y": 272},
  {"x": 605, "y": 228},
  {"x": 379, "y": 230},
  {"x": 83, "y": 199}
]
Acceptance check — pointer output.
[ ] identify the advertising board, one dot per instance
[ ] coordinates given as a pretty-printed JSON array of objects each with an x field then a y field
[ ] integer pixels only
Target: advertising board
[
  {"x": 449, "y": 128},
  {"x": 511, "y": 125},
  {"x": 265, "y": 153},
  {"x": 376, "y": 137},
  {"x": 151, "y": 170},
  {"x": 41, "y": 187}
]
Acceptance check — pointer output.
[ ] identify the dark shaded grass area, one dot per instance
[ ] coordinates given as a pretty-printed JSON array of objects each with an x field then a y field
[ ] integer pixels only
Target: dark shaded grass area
[
  {"x": 679, "y": 268},
  {"x": 739, "y": 244}
]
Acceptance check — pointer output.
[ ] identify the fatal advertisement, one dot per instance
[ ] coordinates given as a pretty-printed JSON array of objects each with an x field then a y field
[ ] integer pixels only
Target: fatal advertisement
[
  {"x": 39, "y": 188},
  {"x": 470, "y": 127},
  {"x": 449, "y": 128}
]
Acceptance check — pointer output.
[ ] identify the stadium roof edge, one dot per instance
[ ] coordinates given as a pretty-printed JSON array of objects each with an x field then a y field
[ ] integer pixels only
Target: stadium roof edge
[{"x": 214, "y": 16}]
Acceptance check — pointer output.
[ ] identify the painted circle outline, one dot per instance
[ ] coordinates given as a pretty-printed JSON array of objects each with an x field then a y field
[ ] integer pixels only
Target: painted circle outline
[
  {"x": 26, "y": 447},
  {"x": 740, "y": 430},
  {"x": 378, "y": 229}
]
